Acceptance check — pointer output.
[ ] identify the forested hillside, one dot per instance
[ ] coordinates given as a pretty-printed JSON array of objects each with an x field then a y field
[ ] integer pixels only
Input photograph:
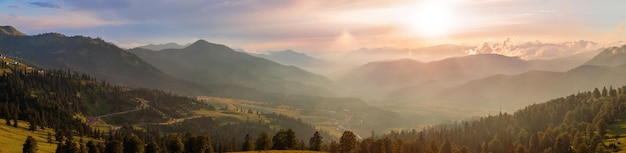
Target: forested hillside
[
  {"x": 93, "y": 56},
  {"x": 576, "y": 123},
  {"x": 74, "y": 104}
]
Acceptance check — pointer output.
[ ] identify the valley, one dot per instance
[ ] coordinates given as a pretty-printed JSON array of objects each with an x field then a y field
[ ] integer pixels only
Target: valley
[{"x": 88, "y": 87}]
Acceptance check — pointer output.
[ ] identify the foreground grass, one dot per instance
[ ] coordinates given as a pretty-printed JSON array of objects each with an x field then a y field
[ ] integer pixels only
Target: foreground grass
[
  {"x": 281, "y": 151},
  {"x": 12, "y": 138}
]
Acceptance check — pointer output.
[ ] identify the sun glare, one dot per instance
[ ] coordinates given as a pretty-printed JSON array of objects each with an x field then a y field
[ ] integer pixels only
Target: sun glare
[{"x": 430, "y": 19}]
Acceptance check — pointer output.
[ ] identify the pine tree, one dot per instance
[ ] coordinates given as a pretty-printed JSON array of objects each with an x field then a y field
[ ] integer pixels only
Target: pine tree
[
  {"x": 175, "y": 144},
  {"x": 315, "y": 143},
  {"x": 133, "y": 144},
  {"x": 290, "y": 141},
  {"x": 198, "y": 144},
  {"x": 446, "y": 147},
  {"x": 7, "y": 113},
  {"x": 278, "y": 141},
  {"x": 347, "y": 142},
  {"x": 60, "y": 147},
  {"x": 30, "y": 146},
  {"x": 49, "y": 138},
  {"x": 71, "y": 146},
  {"x": 596, "y": 93},
  {"x": 92, "y": 147},
  {"x": 247, "y": 144},
  {"x": 114, "y": 146},
  {"x": 152, "y": 148},
  {"x": 263, "y": 142}
]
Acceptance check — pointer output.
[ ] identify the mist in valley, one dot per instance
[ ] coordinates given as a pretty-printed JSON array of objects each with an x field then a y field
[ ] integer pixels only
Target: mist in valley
[{"x": 346, "y": 76}]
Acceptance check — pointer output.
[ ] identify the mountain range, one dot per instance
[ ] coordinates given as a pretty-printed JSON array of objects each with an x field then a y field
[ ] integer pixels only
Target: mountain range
[
  {"x": 401, "y": 79},
  {"x": 208, "y": 63},
  {"x": 204, "y": 68},
  {"x": 430, "y": 53},
  {"x": 606, "y": 69},
  {"x": 159, "y": 47},
  {"x": 95, "y": 57},
  {"x": 301, "y": 60}
]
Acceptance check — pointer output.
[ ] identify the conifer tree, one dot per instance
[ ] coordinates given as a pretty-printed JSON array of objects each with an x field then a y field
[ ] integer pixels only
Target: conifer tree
[
  {"x": 315, "y": 143},
  {"x": 263, "y": 142},
  {"x": 347, "y": 142},
  {"x": 30, "y": 146},
  {"x": 247, "y": 144}
]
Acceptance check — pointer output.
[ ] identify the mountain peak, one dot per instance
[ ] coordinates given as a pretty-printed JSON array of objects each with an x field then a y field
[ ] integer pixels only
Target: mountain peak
[
  {"x": 201, "y": 45},
  {"x": 613, "y": 56},
  {"x": 11, "y": 31},
  {"x": 205, "y": 46},
  {"x": 200, "y": 42}
]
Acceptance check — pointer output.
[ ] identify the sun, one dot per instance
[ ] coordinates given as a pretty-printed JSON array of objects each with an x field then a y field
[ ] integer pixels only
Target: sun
[{"x": 430, "y": 19}]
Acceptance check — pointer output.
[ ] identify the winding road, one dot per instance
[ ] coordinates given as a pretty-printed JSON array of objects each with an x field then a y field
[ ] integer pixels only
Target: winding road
[
  {"x": 180, "y": 119},
  {"x": 145, "y": 105}
]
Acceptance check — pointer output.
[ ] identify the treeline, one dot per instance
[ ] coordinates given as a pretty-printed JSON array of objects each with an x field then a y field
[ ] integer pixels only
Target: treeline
[
  {"x": 128, "y": 139},
  {"x": 576, "y": 123},
  {"x": 45, "y": 99},
  {"x": 62, "y": 100},
  {"x": 229, "y": 136},
  {"x": 202, "y": 135}
]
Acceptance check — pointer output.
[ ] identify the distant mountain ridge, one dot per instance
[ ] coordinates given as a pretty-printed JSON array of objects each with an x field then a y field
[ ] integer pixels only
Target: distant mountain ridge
[
  {"x": 613, "y": 56},
  {"x": 523, "y": 89},
  {"x": 377, "y": 79},
  {"x": 159, "y": 47},
  {"x": 209, "y": 63},
  {"x": 301, "y": 60},
  {"x": 430, "y": 53}
]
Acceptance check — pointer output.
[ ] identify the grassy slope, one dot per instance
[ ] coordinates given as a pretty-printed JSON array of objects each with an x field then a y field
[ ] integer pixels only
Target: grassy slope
[
  {"x": 617, "y": 135},
  {"x": 12, "y": 138},
  {"x": 266, "y": 107}
]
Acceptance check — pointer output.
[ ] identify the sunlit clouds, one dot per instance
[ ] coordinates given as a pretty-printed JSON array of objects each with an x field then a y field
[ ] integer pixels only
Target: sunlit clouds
[{"x": 321, "y": 26}]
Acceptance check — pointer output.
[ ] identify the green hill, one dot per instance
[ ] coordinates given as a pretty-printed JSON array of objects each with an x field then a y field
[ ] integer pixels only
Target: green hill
[
  {"x": 9, "y": 31},
  {"x": 12, "y": 138},
  {"x": 95, "y": 57},
  {"x": 78, "y": 105}
]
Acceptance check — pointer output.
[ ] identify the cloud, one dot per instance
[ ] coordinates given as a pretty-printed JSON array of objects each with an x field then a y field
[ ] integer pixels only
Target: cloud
[
  {"x": 534, "y": 50},
  {"x": 64, "y": 21},
  {"x": 45, "y": 4},
  {"x": 491, "y": 47}
]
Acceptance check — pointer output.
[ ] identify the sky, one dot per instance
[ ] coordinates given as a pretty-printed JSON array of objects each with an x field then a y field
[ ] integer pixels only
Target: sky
[{"x": 323, "y": 25}]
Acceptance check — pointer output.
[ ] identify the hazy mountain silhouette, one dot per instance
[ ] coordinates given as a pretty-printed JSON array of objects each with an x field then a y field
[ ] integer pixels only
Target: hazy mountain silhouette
[
  {"x": 159, "y": 47},
  {"x": 613, "y": 56},
  {"x": 398, "y": 78},
  {"x": 301, "y": 60},
  {"x": 514, "y": 91},
  {"x": 209, "y": 63},
  {"x": 430, "y": 53}
]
